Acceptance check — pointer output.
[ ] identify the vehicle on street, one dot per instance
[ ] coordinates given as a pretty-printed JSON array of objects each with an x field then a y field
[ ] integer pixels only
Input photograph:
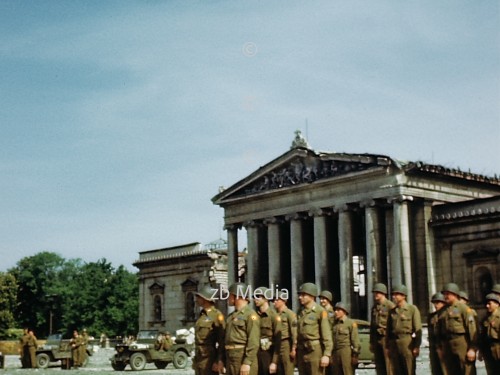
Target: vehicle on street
[
  {"x": 142, "y": 351},
  {"x": 58, "y": 349}
]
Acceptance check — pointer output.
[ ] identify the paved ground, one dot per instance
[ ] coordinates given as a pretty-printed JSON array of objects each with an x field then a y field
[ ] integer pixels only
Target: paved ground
[{"x": 100, "y": 363}]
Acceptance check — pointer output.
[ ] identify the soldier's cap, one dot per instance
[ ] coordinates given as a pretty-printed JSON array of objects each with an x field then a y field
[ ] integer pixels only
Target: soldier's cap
[
  {"x": 438, "y": 297},
  {"x": 341, "y": 306},
  {"x": 262, "y": 292},
  {"x": 309, "y": 288},
  {"x": 496, "y": 289},
  {"x": 207, "y": 293},
  {"x": 451, "y": 288},
  {"x": 240, "y": 290},
  {"x": 282, "y": 295},
  {"x": 400, "y": 289},
  {"x": 493, "y": 297},
  {"x": 463, "y": 295},
  {"x": 380, "y": 288},
  {"x": 326, "y": 294}
]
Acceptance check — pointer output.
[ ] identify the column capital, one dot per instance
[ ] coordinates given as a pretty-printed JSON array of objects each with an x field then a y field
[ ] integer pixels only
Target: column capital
[
  {"x": 368, "y": 203},
  {"x": 400, "y": 199},
  {"x": 252, "y": 224},
  {"x": 317, "y": 212},
  {"x": 295, "y": 216},
  {"x": 272, "y": 220},
  {"x": 341, "y": 208},
  {"x": 235, "y": 226}
]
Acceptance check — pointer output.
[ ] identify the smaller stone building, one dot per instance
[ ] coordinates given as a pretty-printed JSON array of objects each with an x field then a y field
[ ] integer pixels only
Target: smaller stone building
[{"x": 169, "y": 277}]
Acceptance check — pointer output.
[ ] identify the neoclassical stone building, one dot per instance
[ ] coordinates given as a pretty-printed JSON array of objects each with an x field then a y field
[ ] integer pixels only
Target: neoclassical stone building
[
  {"x": 169, "y": 277},
  {"x": 346, "y": 221}
]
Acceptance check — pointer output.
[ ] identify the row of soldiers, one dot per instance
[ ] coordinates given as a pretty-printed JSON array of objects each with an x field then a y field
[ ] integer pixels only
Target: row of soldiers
[
  {"x": 456, "y": 338},
  {"x": 27, "y": 349},
  {"x": 271, "y": 340}
]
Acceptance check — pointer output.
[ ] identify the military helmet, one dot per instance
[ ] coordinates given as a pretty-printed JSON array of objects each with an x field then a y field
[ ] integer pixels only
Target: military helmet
[
  {"x": 438, "y": 297},
  {"x": 282, "y": 295},
  {"x": 207, "y": 293},
  {"x": 451, "y": 288},
  {"x": 309, "y": 288},
  {"x": 262, "y": 291},
  {"x": 380, "y": 288},
  {"x": 496, "y": 289},
  {"x": 400, "y": 289},
  {"x": 493, "y": 297},
  {"x": 341, "y": 306},
  {"x": 240, "y": 290},
  {"x": 326, "y": 294},
  {"x": 463, "y": 295}
]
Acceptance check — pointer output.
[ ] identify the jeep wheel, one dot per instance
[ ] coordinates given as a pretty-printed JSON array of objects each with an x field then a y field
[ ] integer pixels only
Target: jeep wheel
[
  {"x": 118, "y": 366},
  {"x": 160, "y": 365},
  {"x": 180, "y": 359},
  {"x": 42, "y": 360},
  {"x": 138, "y": 361}
]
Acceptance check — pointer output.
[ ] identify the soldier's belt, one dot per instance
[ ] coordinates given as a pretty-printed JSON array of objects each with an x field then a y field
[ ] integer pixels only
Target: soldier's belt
[
  {"x": 236, "y": 346},
  {"x": 452, "y": 336},
  {"x": 400, "y": 336}
]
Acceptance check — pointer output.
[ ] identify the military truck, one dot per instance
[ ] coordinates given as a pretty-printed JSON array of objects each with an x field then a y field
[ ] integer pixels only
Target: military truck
[
  {"x": 143, "y": 350},
  {"x": 57, "y": 349}
]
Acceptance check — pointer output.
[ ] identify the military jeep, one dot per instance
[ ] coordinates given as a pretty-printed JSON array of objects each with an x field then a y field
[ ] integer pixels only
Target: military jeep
[
  {"x": 58, "y": 349},
  {"x": 142, "y": 351}
]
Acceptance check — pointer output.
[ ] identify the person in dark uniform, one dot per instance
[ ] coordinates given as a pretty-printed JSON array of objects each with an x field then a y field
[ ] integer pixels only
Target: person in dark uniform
[
  {"x": 435, "y": 345},
  {"x": 378, "y": 329},
  {"x": 490, "y": 335},
  {"x": 270, "y": 332},
  {"x": 459, "y": 332},
  {"x": 314, "y": 335},
  {"x": 404, "y": 333},
  {"x": 242, "y": 338},
  {"x": 464, "y": 298},
  {"x": 32, "y": 345},
  {"x": 23, "y": 349},
  {"x": 209, "y": 332},
  {"x": 346, "y": 344},
  {"x": 288, "y": 348}
]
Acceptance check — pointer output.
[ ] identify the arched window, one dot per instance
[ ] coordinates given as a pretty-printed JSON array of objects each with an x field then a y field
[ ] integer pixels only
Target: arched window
[
  {"x": 157, "y": 309},
  {"x": 190, "y": 307}
]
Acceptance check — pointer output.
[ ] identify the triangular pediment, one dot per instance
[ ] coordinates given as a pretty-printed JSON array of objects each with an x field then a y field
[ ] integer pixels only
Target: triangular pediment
[{"x": 300, "y": 166}]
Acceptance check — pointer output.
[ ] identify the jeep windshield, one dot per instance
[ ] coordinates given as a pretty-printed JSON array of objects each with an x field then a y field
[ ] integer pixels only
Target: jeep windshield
[{"x": 147, "y": 335}]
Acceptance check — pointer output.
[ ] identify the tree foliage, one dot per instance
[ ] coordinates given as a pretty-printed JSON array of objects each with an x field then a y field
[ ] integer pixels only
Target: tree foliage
[
  {"x": 58, "y": 295},
  {"x": 8, "y": 291}
]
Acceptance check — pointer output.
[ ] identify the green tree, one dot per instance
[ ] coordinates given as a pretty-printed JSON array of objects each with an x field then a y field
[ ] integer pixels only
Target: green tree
[{"x": 8, "y": 292}]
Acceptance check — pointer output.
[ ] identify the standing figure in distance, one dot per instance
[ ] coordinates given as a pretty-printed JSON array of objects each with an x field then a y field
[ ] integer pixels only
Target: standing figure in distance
[
  {"x": 242, "y": 339},
  {"x": 314, "y": 335},
  {"x": 490, "y": 335},
  {"x": 404, "y": 333},
  {"x": 23, "y": 349},
  {"x": 346, "y": 345},
  {"x": 209, "y": 332},
  {"x": 435, "y": 345},
  {"x": 288, "y": 348},
  {"x": 75, "y": 343},
  {"x": 378, "y": 329},
  {"x": 32, "y": 345}
]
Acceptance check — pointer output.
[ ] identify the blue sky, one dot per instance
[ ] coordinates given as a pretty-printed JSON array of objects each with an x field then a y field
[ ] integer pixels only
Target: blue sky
[{"x": 119, "y": 120}]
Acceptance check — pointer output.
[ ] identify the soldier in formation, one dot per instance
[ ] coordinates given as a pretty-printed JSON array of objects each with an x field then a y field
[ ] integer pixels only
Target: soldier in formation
[
  {"x": 270, "y": 332},
  {"x": 286, "y": 359},
  {"x": 490, "y": 335},
  {"x": 404, "y": 333},
  {"x": 435, "y": 346},
  {"x": 458, "y": 333},
  {"x": 209, "y": 335},
  {"x": 346, "y": 345},
  {"x": 314, "y": 335},
  {"x": 378, "y": 329},
  {"x": 326, "y": 300},
  {"x": 242, "y": 338}
]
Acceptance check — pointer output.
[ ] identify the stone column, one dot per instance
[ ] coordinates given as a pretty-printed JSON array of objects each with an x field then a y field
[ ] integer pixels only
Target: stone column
[
  {"x": 232, "y": 253},
  {"x": 320, "y": 248},
  {"x": 402, "y": 242},
  {"x": 252, "y": 252},
  {"x": 274, "y": 248},
  {"x": 297, "y": 255},
  {"x": 373, "y": 250},
  {"x": 345, "y": 256},
  {"x": 430, "y": 254}
]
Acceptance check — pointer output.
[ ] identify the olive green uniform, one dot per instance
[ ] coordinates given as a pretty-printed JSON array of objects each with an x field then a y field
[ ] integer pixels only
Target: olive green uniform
[
  {"x": 24, "y": 351},
  {"x": 288, "y": 341},
  {"x": 490, "y": 342},
  {"x": 83, "y": 348},
  {"x": 435, "y": 344},
  {"x": 209, "y": 340},
  {"x": 270, "y": 339},
  {"x": 76, "y": 342},
  {"x": 346, "y": 345},
  {"x": 331, "y": 314},
  {"x": 404, "y": 333},
  {"x": 32, "y": 345},
  {"x": 459, "y": 333},
  {"x": 242, "y": 341},
  {"x": 378, "y": 332},
  {"x": 314, "y": 339}
]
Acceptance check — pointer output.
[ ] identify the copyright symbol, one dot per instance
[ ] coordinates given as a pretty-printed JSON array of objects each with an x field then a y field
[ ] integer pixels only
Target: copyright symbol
[{"x": 250, "y": 49}]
